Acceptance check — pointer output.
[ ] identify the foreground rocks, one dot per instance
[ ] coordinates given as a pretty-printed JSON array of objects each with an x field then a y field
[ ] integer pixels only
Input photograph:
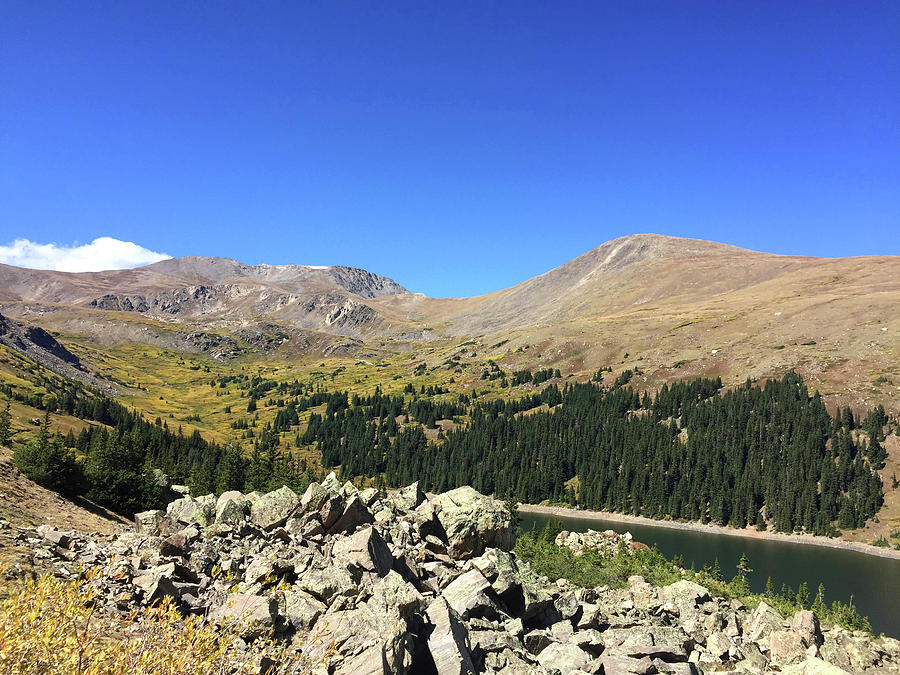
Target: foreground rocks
[{"x": 356, "y": 582}]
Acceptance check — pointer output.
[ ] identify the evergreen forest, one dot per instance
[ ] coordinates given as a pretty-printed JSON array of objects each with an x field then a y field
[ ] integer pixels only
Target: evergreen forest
[{"x": 758, "y": 454}]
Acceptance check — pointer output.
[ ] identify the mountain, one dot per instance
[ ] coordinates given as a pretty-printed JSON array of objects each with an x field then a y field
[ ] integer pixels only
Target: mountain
[
  {"x": 665, "y": 306},
  {"x": 213, "y": 291}
]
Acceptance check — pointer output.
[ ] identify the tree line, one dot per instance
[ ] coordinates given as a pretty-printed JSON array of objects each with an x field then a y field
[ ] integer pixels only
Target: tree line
[{"x": 763, "y": 455}]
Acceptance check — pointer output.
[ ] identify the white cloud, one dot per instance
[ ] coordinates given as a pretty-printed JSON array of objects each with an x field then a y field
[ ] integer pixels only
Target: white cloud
[{"x": 104, "y": 253}]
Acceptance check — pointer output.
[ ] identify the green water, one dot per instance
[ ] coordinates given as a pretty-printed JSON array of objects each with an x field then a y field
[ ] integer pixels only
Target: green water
[{"x": 872, "y": 582}]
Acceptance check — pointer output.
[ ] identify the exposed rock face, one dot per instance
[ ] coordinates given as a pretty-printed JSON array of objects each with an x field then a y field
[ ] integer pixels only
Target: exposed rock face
[
  {"x": 410, "y": 590},
  {"x": 38, "y": 345}
]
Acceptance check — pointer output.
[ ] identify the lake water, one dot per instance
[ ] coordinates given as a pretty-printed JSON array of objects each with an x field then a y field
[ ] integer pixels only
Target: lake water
[{"x": 872, "y": 581}]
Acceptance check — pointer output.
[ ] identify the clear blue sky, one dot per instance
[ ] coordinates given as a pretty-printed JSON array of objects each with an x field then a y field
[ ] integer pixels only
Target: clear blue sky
[{"x": 458, "y": 149}]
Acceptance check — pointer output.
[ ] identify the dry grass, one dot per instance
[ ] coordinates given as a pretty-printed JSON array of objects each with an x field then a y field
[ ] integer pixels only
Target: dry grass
[{"x": 52, "y": 626}]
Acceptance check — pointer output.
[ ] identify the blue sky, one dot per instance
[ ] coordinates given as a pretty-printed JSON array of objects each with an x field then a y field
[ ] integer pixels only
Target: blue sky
[{"x": 459, "y": 148}]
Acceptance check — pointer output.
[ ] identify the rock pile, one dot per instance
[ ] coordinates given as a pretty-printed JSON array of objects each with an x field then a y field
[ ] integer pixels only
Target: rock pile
[
  {"x": 605, "y": 542},
  {"x": 368, "y": 583}
]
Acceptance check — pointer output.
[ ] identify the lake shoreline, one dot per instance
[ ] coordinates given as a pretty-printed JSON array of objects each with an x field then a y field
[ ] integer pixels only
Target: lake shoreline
[{"x": 747, "y": 533}]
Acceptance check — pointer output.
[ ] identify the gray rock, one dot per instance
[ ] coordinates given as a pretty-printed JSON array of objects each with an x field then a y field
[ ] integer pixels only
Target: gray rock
[
  {"x": 156, "y": 588},
  {"x": 368, "y": 496},
  {"x": 231, "y": 507},
  {"x": 328, "y": 583},
  {"x": 188, "y": 510},
  {"x": 762, "y": 622},
  {"x": 473, "y": 522},
  {"x": 566, "y": 658},
  {"x": 366, "y": 549},
  {"x": 813, "y": 667},
  {"x": 273, "y": 508},
  {"x": 785, "y": 647},
  {"x": 408, "y": 498},
  {"x": 718, "y": 645},
  {"x": 174, "y": 545},
  {"x": 147, "y": 522},
  {"x": 355, "y": 514},
  {"x": 373, "y": 635},
  {"x": 686, "y": 596},
  {"x": 862, "y": 655},
  {"x": 537, "y": 640},
  {"x": 300, "y": 609},
  {"x": 806, "y": 624},
  {"x": 259, "y": 569},
  {"x": 332, "y": 509},
  {"x": 467, "y": 595},
  {"x": 833, "y": 648},
  {"x": 448, "y": 641},
  {"x": 313, "y": 498},
  {"x": 331, "y": 484},
  {"x": 493, "y": 640},
  {"x": 251, "y": 615},
  {"x": 614, "y": 664}
]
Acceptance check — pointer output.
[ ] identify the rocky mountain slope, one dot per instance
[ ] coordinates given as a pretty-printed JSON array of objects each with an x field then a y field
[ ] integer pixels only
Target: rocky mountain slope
[
  {"x": 219, "y": 290},
  {"x": 670, "y": 307},
  {"x": 43, "y": 348},
  {"x": 357, "y": 583}
]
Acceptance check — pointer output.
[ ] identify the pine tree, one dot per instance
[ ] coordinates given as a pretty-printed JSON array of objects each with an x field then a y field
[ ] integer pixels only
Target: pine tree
[
  {"x": 5, "y": 425},
  {"x": 717, "y": 571}
]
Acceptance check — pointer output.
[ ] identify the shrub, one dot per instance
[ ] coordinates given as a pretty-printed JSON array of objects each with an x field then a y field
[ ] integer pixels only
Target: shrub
[{"x": 52, "y": 626}]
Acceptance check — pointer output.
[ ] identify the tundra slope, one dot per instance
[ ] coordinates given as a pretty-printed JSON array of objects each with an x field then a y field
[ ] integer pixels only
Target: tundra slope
[{"x": 671, "y": 307}]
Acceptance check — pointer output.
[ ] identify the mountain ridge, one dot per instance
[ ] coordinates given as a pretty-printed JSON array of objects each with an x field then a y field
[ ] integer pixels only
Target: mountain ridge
[{"x": 669, "y": 306}]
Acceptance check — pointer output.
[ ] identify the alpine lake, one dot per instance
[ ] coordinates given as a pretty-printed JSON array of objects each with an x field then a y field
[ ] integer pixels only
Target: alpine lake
[{"x": 870, "y": 582}]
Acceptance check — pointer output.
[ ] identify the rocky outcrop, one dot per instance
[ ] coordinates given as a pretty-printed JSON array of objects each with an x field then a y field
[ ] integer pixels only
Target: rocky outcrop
[
  {"x": 362, "y": 583},
  {"x": 38, "y": 345}
]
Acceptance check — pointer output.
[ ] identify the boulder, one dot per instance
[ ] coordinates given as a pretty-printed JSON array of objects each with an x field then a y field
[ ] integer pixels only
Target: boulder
[
  {"x": 520, "y": 591},
  {"x": 408, "y": 498},
  {"x": 717, "y": 646},
  {"x": 448, "y": 640},
  {"x": 473, "y": 522},
  {"x": 331, "y": 484},
  {"x": 366, "y": 549},
  {"x": 312, "y": 498},
  {"x": 369, "y": 496},
  {"x": 147, "y": 522},
  {"x": 231, "y": 507},
  {"x": 686, "y": 596},
  {"x": 251, "y": 615},
  {"x": 806, "y": 624},
  {"x": 762, "y": 622},
  {"x": 467, "y": 595},
  {"x": 300, "y": 609},
  {"x": 566, "y": 658},
  {"x": 259, "y": 569},
  {"x": 862, "y": 655},
  {"x": 355, "y": 514},
  {"x": 613, "y": 664},
  {"x": 174, "y": 545},
  {"x": 189, "y": 510},
  {"x": 156, "y": 587},
  {"x": 813, "y": 667},
  {"x": 394, "y": 595},
  {"x": 273, "y": 508},
  {"x": 373, "y": 637},
  {"x": 785, "y": 647},
  {"x": 332, "y": 509},
  {"x": 328, "y": 583}
]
